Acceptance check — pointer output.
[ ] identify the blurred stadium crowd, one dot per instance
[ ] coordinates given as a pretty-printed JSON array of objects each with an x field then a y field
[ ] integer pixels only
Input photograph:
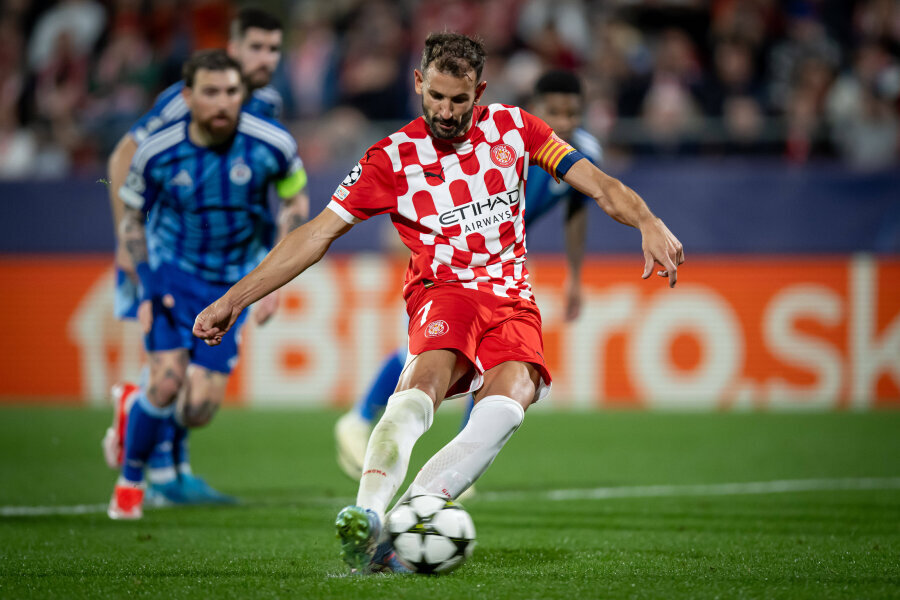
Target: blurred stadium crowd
[{"x": 799, "y": 79}]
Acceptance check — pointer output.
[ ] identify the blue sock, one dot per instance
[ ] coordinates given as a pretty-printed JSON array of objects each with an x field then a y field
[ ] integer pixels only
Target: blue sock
[
  {"x": 180, "y": 452},
  {"x": 161, "y": 466},
  {"x": 467, "y": 412},
  {"x": 382, "y": 388},
  {"x": 144, "y": 424}
]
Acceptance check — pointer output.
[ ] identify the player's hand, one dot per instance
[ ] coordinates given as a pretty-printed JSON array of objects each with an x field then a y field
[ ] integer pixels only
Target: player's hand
[
  {"x": 266, "y": 308},
  {"x": 215, "y": 321},
  {"x": 573, "y": 299},
  {"x": 661, "y": 247},
  {"x": 145, "y": 311}
]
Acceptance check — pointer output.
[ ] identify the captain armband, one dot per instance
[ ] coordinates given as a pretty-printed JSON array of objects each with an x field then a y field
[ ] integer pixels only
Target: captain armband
[
  {"x": 567, "y": 161},
  {"x": 291, "y": 185},
  {"x": 555, "y": 156}
]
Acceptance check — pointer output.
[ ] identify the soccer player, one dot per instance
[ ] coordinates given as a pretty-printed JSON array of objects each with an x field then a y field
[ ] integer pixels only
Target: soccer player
[
  {"x": 195, "y": 220},
  {"x": 453, "y": 183},
  {"x": 255, "y": 42},
  {"x": 557, "y": 100}
]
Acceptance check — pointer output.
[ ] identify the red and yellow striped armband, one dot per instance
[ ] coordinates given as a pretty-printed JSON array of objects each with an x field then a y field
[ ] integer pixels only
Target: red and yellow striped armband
[{"x": 551, "y": 154}]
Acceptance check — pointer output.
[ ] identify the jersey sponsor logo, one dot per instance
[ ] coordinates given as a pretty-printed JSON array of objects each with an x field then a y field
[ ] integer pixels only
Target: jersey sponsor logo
[
  {"x": 479, "y": 214},
  {"x": 240, "y": 174},
  {"x": 135, "y": 183},
  {"x": 341, "y": 192},
  {"x": 353, "y": 176},
  {"x": 503, "y": 155},
  {"x": 436, "y": 328}
]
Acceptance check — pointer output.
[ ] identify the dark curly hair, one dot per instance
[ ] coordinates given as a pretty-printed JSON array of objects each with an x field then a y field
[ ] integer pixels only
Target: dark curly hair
[
  {"x": 211, "y": 60},
  {"x": 454, "y": 53},
  {"x": 253, "y": 17}
]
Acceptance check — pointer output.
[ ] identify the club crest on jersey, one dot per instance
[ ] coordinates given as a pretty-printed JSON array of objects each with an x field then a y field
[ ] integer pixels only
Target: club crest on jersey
[
  {"x": 240, "y": 174},
  {"x": 353, "y": 176},
  {"x": 436, "y": 328},
  {"x": 503, "y": 155}
]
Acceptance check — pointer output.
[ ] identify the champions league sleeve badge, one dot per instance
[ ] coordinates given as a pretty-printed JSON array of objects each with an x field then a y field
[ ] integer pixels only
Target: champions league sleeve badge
[{"x": 353, "y": 176}]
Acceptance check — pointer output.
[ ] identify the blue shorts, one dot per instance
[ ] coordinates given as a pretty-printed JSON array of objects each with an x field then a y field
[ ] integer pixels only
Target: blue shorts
[
  {"x": 127, "y": 298},
  {"x": 172, "y": 326}
]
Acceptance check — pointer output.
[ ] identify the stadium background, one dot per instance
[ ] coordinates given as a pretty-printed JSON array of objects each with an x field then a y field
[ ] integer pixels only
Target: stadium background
[{"x": 764, "y": 133}]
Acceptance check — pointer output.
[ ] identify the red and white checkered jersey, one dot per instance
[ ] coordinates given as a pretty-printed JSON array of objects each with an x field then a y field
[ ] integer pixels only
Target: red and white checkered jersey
[{"x": 458, "y": 204}]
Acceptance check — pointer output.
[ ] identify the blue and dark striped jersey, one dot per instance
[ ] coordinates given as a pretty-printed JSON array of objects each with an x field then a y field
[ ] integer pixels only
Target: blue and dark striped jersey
[
  {"x": 208, "y": 210},
  {"x": 542, "y": 192},
  {"x": 170, "y": 107}
]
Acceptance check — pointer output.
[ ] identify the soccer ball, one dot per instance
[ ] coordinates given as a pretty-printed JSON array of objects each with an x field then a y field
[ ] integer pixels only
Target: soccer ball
[{"x": 431, "y": 534}]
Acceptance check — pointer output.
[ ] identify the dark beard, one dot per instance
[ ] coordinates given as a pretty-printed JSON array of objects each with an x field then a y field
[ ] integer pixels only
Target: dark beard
[
  {"x": 218, "y": 135},
  {"x": 459, "y": 128},
  {"x": 260, "y": 78}
]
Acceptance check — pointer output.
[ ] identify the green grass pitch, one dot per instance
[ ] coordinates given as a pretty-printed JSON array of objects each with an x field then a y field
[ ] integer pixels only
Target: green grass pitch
[{"x": 579, "y": 505}]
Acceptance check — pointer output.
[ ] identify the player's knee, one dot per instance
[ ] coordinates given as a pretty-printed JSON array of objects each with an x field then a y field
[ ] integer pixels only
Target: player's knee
[
  {"x": 409, "y": 404},
  {"x": 164, "y": 390},
  {"x": 199, "y": 414},
  {"x": 503, "y": 412}
]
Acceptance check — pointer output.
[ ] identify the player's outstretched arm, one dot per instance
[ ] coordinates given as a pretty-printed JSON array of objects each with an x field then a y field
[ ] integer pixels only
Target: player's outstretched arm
[
  {"x": 624, "y": 205},
  {"x": 576, "y": 236},
  {"x": 298, "y": 251},
  {"x": 293, "y": 213},
  {"x": 117, "y": 171}
]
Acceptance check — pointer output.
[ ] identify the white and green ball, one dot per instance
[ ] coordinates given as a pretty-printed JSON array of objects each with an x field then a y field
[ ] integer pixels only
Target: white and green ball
[{"x": 431, "y": 534}]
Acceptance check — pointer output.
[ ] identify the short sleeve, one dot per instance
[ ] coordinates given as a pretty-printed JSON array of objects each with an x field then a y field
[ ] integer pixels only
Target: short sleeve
[
  {"x": 168, "y": 108},
  {"x": 368, "y": 189},
  {"x": 266, "y": 102},
  {"x": 547, "y": 149},
  {"x": 139, "y": 191}
]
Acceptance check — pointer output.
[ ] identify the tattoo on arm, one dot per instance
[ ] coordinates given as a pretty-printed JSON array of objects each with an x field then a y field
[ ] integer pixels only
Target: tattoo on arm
[
  {"x": 133, "y": 235},
  {"x": 293, "y": 222},
  {"x": 294, "y": 213}
]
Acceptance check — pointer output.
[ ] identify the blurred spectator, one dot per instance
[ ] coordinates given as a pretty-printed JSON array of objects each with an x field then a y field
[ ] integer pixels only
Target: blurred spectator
[
  {"x": 670, "y": 113},
  {"x": 804, "y": 113},
  {"x": 18, "y": 146},
  {"x": 878, "y": 19},
  {"x": 752, "y": 21},
  {"x": 12, "y": 72},
  {"x": 744, "y": 77},
  {"x": 734, "y": 74},
  {"x": 311, "y": 60},
  {"x": 210, "y": 20},
  {"x": 372, "y": 78},
  {"x": 79, "y": 22},
  {"x": 805, "y": 48},
  {"x": 557, "y": 30},
  {"x": 861, "y": 109}
]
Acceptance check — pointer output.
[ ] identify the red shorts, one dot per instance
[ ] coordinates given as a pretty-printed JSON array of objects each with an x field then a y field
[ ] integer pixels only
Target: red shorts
[{"x": 486, "y": 329}]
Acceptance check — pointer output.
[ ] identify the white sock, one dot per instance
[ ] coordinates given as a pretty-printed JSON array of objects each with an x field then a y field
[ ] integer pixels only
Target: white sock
[
  {"x": 457, "y": 465},
  {"x": 407, "y": 416}
]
